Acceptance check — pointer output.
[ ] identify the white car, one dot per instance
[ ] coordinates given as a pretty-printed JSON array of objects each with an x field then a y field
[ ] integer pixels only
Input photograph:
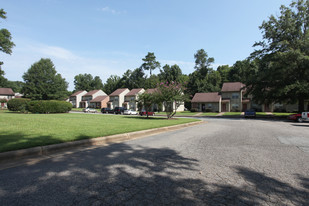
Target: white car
[
  {"x": 89, "y": 110},
  {"x": 129, "y": 112}
]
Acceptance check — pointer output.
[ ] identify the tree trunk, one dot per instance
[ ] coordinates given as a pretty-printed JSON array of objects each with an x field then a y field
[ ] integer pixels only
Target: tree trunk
[{"x": 301, "y": 104}]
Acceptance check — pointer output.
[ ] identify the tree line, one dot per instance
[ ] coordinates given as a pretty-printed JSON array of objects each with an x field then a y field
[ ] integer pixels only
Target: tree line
[{"x": 277, "y": 71}]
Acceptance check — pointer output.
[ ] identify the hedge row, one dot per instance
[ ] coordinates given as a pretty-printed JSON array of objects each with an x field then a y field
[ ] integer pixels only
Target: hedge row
[
  {"x": 39, "y": 106},
  {"x": 18, "y": 105}
]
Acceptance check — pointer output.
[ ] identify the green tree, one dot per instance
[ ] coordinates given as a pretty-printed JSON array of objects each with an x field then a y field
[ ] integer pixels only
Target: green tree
[
  {"x": 15, "y": 85},
  {"x": 150, "y": 62},
  {"x": 43, "y": 83},
  {"x": 152, "y": 82},
  {"x": 6, "y": 46},
  {"x": 6, "y": 43},
  {"x": 146, "y": 100},
  {"x": 172, "y": 95},
  {"x": 202, "y": 79},
  {"x": 112, "y": 83},
  {"x": 203, "y": 62},
  {"x": 87, "y": 82},
  {"x": 283, "y": 66},
  {"x": 171, "y": 73},
  {"x": 224, "y": 71}
]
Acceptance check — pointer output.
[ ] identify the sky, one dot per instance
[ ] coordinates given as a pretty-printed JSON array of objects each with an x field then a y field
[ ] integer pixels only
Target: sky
[{"x": 108, "y": 37}]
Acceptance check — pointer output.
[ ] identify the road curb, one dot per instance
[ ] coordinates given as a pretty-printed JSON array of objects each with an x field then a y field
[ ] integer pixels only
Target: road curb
[{"x": 49, "y": 149}]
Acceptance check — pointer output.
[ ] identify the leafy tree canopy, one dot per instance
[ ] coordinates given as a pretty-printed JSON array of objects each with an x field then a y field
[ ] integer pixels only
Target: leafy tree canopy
[
  {"x": 112, "y": 83},
  {"x": 150, "y": 62},
  {"x": 283, "y": 66},
  {"x": 87, "y": 82},
  {"x": 43, "y": 83},
  {"x": 6, "y": 46}
]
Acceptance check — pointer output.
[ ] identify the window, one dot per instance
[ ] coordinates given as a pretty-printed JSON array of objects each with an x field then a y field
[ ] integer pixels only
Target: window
[
  {"x": 235, "y": 106},
  {"x": 209, "y": 106},
  {"x": 235, "y": 96}
]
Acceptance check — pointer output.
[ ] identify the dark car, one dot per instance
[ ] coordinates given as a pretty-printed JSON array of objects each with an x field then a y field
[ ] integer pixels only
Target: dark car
[
  {"x": 250, "y": 113},
  {"x": 119, "y": 110},
  {"x": 144, "y": 113},
  {"x": 106, "y": 110}
]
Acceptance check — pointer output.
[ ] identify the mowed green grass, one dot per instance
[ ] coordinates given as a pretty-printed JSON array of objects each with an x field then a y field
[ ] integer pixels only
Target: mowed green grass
[{"x": 19, "y": 131}]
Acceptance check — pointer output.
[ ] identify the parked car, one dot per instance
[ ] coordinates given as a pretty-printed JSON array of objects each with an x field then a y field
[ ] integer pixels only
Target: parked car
[
  {"x": 299, "y": 117},
  {"x": 89, "y": 110},
  {"x": 129, "y": 112},
  {"x": 119, "y": 110},
  {"x": 250, "y": 113},
  {"x": 106, "y": 110},
  {"x": 111, "y": 111},
  {"x": 143, "y": 113}
]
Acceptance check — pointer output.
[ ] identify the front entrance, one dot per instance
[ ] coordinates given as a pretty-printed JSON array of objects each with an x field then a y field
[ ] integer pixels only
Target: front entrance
[
  {"x": 223, "y": 107},
  {"x": 203, "y": 108},
  {"x": 266, "y": 108},
  {"x": 244, "y": 107}
]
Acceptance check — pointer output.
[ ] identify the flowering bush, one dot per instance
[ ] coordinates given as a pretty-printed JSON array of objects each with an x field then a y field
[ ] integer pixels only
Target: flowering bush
[{"x": 172, "y": 96}]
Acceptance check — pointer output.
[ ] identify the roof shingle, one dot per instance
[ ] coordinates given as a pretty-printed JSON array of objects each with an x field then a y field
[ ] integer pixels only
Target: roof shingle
[
  {"x": 91, "y": 93},
  {"x": 99, "y": 99},
  {"x": 76, "y": 93},
  {"x": 118, "y": 92},
  {"x": 206, "y": 97},
  {"x": 232, "y": 87},
  {"x": 134, "y": 92},
  {"x": 6, "y": 91}
]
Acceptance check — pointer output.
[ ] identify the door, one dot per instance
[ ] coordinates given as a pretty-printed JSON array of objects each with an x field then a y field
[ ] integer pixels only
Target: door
[
  {"x": 224, "y": 108},
  {"x": 244, "y": 107},
  {"x": 203, "y": 108},
  {"x": 266, "y": 108}
]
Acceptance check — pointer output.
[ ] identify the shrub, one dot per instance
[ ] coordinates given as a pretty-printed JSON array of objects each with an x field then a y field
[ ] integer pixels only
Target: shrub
[
  {"x": 18, "y": 104},
  {"x": 52, "y": 106},
  {"x": 193, "y": 110}
]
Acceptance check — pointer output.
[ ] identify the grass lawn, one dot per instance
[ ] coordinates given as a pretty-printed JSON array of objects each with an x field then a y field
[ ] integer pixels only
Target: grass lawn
[
  {"x": 19, "y": 131},
  {"x": 231, "y": 113},
  {"x": 261, "y": 113},
  {"x": 209, "y": 114},
  {"x": 282, "y": 114},
  {"x": 183, "y": 113}
]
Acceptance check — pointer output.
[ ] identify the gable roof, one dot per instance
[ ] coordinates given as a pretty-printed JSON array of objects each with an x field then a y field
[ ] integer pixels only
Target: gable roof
[
  {"x": 206, "y": 97},
  {"x": 91, "y": 93},
  {"x": 134, "y": 92},
  {"x": 7, "y": 91},
  {"x": 77, "y": 93},
  {"x": 232, "y": 87},
  {"x": 150, "y": 91},
  {"x": 99, "y": 98},
  {"x": 117, "y": 92}
]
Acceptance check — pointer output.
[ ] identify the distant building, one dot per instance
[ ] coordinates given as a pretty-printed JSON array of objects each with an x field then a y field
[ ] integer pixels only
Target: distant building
[
  {"x": 131, "y": 98},
  {"x": 116, "y": 99},
  {"x": 76, "y": 98},
  {"x": 86, "y": 98},
  {"x": 6, "y": 94}
]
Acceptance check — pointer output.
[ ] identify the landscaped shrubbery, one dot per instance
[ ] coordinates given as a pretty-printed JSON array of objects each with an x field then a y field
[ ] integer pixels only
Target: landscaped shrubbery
[
  {"x": 52, "y": 106},
  {"x": 18, "y": 105}
]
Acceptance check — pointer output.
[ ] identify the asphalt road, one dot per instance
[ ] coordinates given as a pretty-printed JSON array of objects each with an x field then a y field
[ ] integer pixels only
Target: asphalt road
[{"x": 222, "y": 162}]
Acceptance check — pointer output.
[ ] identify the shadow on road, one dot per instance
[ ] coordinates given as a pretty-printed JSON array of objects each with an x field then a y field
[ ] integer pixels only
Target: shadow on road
[{"x": 121, "y": 174}]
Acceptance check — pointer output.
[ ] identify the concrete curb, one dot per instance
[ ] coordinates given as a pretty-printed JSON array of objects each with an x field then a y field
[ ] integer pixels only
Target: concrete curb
[{"x": 49, "y": 149}]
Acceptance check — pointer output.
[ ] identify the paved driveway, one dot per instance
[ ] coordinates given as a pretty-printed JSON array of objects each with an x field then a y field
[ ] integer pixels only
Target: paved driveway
[{"x": 222, "y": 162}]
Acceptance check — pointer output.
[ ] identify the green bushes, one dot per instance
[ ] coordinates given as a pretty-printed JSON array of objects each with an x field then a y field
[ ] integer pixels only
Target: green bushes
[
  {"x": 18, "y": 104},
  {"x": 39, "y": 106},
  {"x": 52, "y": 106}
]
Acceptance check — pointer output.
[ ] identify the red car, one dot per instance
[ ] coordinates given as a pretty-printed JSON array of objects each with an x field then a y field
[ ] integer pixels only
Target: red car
[
  {"x": 143, "y": 113},
  {"x": 295, "y": 117}
]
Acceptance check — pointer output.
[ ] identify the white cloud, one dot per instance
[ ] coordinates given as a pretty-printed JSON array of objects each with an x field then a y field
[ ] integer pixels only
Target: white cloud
[
  {"x": 67, "y": 63},
  {"x": 110, "y": 10}
]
